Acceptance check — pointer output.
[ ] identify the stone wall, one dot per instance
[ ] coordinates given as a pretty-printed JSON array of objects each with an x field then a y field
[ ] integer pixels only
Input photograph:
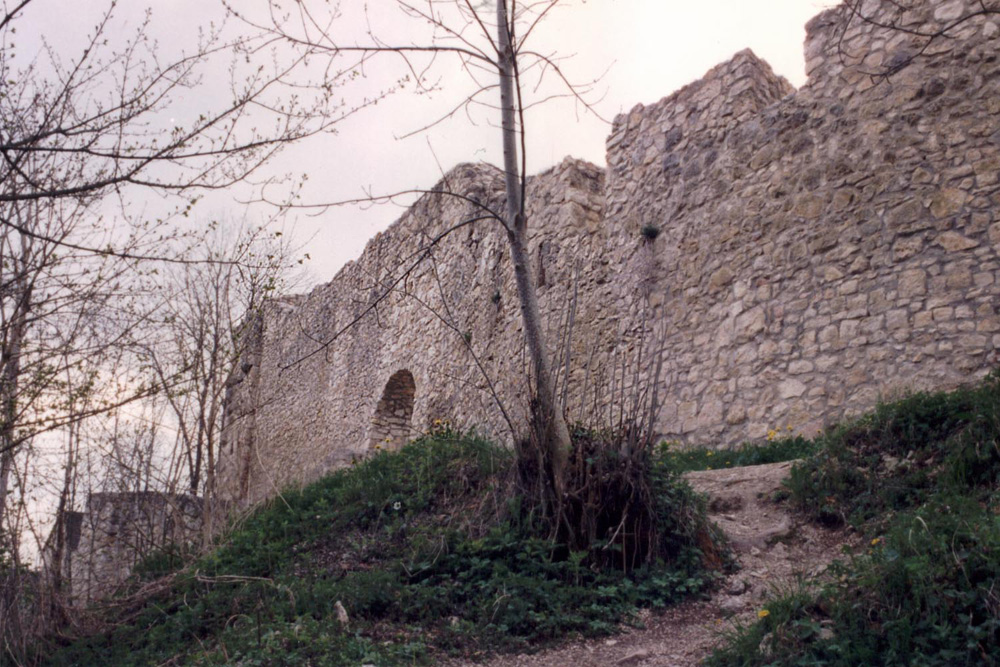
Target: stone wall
[
  {"x": 103, "y": 544},
  {"x": 401, "y": 337},
  {"x": 822, "y": 248},
  {"x": 818, "y": 249}
]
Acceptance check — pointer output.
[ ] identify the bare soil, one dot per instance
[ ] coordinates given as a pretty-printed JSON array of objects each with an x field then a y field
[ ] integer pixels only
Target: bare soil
[{"x": 773, "y": 547}]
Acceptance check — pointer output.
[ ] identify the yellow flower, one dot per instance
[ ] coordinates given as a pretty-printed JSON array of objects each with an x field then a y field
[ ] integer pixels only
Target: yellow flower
[
  {"x": 763, "y": 613},
  {"x": 710, "y": 453},
  {"x": 378, "y": 446},
  {"x": 437, "y": 422},
  {"x": 876, "y": 541}
]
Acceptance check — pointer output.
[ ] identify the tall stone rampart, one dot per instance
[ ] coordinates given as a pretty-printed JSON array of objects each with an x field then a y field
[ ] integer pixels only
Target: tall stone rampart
[
  {"x": 826, "y": 247},
  {"x": 818, "y": 249},
  {"x": 409, "y": 333}
]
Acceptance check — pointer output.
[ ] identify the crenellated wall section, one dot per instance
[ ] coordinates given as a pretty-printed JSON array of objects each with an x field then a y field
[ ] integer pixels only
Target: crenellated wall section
[{"x": 827, "y": 247}]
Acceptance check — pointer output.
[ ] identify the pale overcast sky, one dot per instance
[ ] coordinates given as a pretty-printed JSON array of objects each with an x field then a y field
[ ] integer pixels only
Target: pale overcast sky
[{"x": 649, "y": 48}]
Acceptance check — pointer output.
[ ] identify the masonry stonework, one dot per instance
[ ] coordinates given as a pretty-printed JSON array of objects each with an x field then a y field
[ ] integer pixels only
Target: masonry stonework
[
  {"x": 102, "y": 544},
  {"x": 819, "y": 249}
]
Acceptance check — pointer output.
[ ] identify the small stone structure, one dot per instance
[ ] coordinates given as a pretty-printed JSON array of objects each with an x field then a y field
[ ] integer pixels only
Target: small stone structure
[
  {"x": 102, "y": 544},
  {"x": 818, "y": 249}
]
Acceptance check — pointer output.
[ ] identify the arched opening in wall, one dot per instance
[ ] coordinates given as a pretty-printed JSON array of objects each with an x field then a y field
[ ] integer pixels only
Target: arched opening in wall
[{"x": 391, "y": 423}]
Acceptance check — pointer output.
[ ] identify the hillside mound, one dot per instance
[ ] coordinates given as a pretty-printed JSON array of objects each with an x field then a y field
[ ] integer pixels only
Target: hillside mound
[
  {"x": 405, "y": 557},
  {"x": 418, "y": 557}
]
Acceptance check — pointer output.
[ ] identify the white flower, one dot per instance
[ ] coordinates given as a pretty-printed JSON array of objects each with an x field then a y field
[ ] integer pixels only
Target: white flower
[{"x": 396, "y": 505}]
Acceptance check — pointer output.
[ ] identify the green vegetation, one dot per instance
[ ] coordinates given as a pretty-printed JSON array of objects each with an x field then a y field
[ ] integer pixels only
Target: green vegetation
[
  {"x": 919, "y": 478},
  {"x": 902, "y": 454},
  {"x": 425, "y": 552},
  {"x": 429, "y": 552},
  {"x": 774, "y": 450}
]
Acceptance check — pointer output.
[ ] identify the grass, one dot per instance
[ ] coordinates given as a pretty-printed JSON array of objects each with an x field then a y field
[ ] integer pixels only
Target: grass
[
  {"x": 920, "y": 480},
  {"x": 776, "y": 449},
  {"x": 427, "y": 555},
  {"x": 902, "y": 454},
  {"x": 422, "y": 550}
]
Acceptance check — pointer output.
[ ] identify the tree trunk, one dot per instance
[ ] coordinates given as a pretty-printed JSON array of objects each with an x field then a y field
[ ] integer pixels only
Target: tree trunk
[
  {"x": 551, "y": 430},
  {"x": 10, "y": 362}
]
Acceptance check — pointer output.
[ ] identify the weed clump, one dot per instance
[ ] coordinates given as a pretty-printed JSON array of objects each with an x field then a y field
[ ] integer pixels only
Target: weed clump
[
  {"x": 901, "y": 454},
  {"x": 650, "y": 233},
  {"x": 624, "y": 509}
]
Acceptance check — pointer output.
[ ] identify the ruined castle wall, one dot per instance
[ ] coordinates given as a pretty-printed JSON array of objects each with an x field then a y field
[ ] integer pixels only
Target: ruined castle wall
[
  {"x": 342, "y": 371},
  {"x": 117, "y": 530},
  {"x": 825, "y": 247},
  {"x": 818, "y": 249}
]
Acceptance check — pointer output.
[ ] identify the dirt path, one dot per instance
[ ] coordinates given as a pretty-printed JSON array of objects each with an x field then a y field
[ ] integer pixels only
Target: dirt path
[{"x": 772, "y": 547}]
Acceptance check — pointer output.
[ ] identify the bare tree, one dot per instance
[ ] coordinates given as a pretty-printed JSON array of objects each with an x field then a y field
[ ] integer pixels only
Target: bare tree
[
  {"x": 77, "y": 133},
  {"x": 195, "y": 335},
  {"x": 80, "y": 134},
  {"x": 90, "y": 126},
  {"x": 54, "y": 319},
  {"x": 554, "y": 436},
  {"x": 72, "y": 389}
]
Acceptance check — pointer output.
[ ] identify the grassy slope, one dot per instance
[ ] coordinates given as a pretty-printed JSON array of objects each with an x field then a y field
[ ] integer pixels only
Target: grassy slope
[
  {"x": 920, "y": 479},
  {"x": 417, "y": 548},
  {"x": 413, "y": 545},
  {"x": 777, "y": 448}
]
